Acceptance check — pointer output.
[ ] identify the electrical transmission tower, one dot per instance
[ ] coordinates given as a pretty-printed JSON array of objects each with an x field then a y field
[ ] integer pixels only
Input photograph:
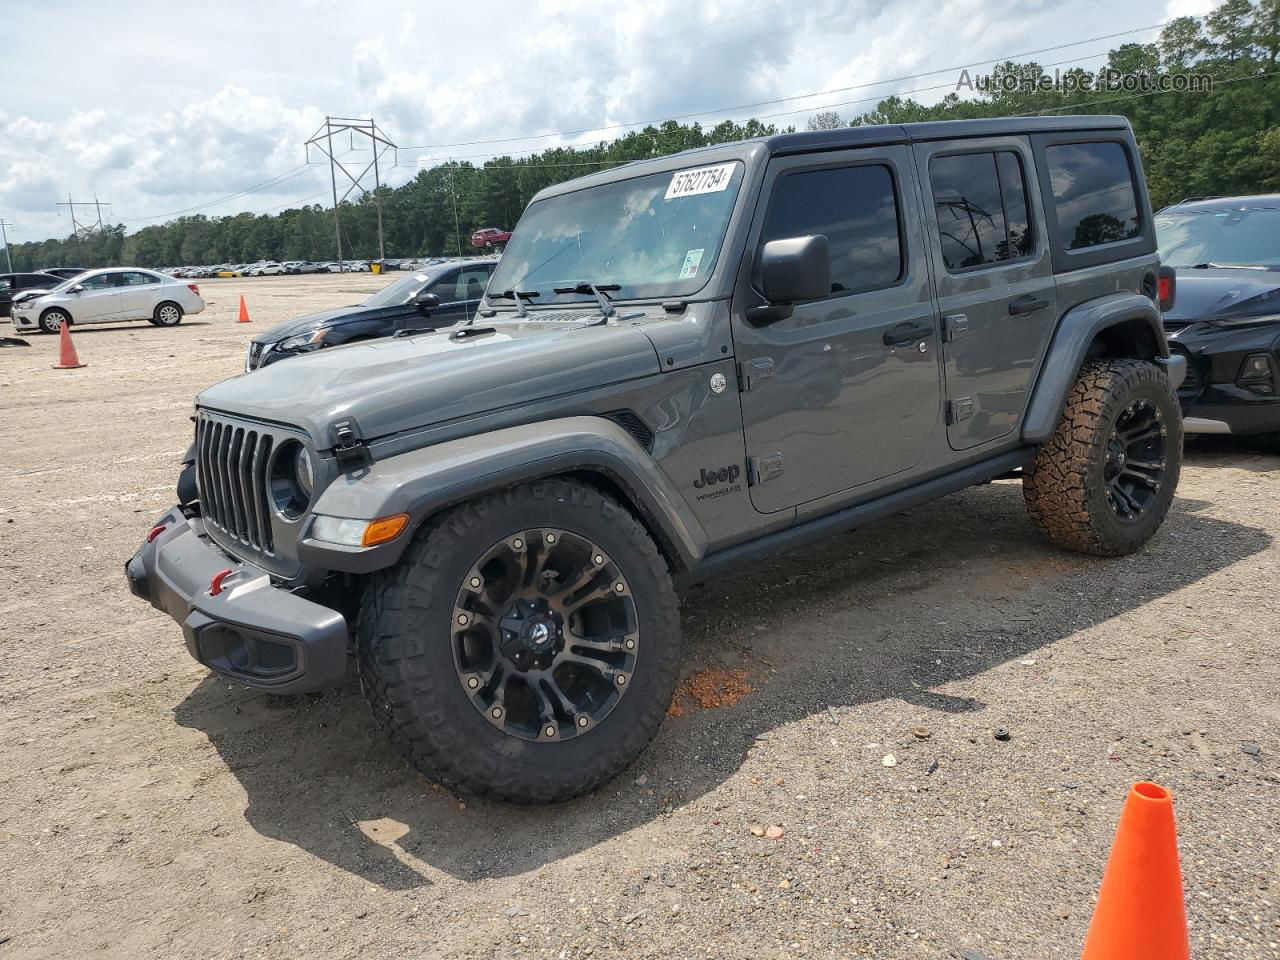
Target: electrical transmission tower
[
  {"x": 5, "y": 237},
  {"x": 79, "y": 230},
  {"x": 322, "y": 140}
]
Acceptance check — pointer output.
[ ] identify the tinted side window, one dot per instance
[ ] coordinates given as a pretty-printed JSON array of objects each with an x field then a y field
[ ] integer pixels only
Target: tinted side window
[
  {"x": 981, "y": 204},
  {"x": 856, "y": 208},
  {"x": 5, "y": 285},
  {"x": 133, "y": 279},
  {"x": 102, "y": 281},
  {"x": 1093, "y": 194},
  {"x": 446, "y": 288}
]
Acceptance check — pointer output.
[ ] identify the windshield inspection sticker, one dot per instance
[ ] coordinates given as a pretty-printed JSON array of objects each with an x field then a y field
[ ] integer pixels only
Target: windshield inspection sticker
[
  {"x": 690, "y": 183},
  {"x": 692, "y": 260}
]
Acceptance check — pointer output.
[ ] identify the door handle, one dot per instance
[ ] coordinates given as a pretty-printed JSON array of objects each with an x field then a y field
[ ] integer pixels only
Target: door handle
[
  {"x": 905, "y": 333},
  {"x": 1026, "y": 304}
]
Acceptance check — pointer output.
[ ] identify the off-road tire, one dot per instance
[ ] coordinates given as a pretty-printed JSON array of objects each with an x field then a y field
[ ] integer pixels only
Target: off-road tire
[
  {"x": 48, "y": 323},
  {"x": 406, "y": 661},
  {"x": 1065, "y": 490}
]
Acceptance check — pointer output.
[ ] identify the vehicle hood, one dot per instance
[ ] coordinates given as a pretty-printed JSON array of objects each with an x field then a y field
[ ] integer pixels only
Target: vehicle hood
[
  {"x": 325, "y": 318},
  {"x": 1225, "y": 294},
  {"x": 31, "y": 293},
  {"x": 401, "y": 383}
]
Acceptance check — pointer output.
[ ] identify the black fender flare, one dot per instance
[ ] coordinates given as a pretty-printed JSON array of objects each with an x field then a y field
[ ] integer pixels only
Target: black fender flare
[
  {"x": 423, "y": 482},
  {"x": 1076, "y": 332}
]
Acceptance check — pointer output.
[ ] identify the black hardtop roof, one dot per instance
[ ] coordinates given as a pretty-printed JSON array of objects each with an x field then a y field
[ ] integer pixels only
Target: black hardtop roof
[{"x": 842, "y": 138}]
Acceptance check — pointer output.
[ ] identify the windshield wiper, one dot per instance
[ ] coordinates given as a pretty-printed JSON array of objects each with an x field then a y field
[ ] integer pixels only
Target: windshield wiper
[
  {"x": 519, "y": 296},
  {"x": 599, "y": 291}
]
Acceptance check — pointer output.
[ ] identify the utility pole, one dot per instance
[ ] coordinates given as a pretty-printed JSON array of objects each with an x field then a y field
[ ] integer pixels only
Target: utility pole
[
  {"x": 78, "y": 230},
  {"x": 322, "y": 140},
  {"x": 5, "y": 237}
]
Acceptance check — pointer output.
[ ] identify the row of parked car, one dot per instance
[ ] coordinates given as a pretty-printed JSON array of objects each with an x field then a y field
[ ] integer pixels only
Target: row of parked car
[{"x": 274, "y": 268}]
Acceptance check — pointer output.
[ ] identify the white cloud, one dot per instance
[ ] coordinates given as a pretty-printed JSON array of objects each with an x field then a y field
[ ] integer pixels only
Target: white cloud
[{"x": 182, "y": 113}]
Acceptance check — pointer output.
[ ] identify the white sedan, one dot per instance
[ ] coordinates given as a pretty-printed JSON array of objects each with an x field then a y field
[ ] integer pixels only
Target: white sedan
[{"x": 109, "y": 296}]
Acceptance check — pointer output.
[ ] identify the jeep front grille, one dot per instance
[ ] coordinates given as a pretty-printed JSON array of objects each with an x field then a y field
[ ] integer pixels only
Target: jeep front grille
[
  {"x": 1194, "y": 381},
  {"x": 231, "y": 475}
]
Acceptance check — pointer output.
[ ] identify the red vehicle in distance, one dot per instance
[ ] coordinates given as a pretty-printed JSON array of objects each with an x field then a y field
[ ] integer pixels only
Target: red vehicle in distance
[{"x": 490, "y": 238}]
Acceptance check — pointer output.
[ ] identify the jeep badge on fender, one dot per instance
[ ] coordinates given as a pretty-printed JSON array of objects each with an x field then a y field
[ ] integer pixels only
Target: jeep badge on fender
[{"x": 710, "y": 478}]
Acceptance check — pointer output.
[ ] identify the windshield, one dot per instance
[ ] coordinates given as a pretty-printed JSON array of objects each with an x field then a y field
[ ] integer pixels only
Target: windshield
[
  {"x": 399, "y": 293},
  {"x": 1229, "y": 238},
  {"x": 654, "y": 236}
]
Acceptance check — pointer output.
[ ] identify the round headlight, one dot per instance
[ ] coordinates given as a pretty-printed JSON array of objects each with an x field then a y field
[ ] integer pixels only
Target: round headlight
[{"x": 292, "y": 480}]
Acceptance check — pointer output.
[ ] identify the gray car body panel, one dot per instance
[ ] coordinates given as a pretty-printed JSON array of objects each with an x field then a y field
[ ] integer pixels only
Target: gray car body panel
[{"x": 423, "y": 482}]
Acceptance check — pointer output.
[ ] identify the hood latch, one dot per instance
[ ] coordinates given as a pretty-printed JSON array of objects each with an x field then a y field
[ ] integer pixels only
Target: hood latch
[{"x": 348, "y": 446}]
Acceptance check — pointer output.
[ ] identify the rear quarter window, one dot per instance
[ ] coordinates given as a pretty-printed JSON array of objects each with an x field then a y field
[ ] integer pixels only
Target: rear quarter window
[{"x": 1093, "y": 194}]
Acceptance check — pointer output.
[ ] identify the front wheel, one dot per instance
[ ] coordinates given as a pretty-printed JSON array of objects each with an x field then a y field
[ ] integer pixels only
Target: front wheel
[
  {"x": 51, "y": 321},
  {"x": 1103, "y": 482},
  {"x": 527, "y": 644}
]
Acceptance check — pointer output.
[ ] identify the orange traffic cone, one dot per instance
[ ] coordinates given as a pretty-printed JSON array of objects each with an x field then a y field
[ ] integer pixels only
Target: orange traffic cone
[
  {"x": 1140, "y": 914},
  {"x": 67, "y": 359},
  {"x": 244, "y": 311}
]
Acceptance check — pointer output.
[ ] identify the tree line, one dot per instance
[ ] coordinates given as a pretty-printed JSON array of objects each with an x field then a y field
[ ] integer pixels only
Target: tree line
[{"x": 1222, "y": 142}]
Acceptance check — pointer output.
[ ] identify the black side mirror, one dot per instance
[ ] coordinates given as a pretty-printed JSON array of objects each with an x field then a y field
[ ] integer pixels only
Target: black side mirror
[
  {"x": 791, "y": 270},
  {"x": 427, "y": 301}
]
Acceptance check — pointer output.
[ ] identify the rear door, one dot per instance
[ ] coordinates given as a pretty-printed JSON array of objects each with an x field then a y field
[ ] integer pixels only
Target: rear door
[
  {"x": 846, "y": 390},
  {"x": 139, "y": 294},
  {"x": 994, "y": 280}
]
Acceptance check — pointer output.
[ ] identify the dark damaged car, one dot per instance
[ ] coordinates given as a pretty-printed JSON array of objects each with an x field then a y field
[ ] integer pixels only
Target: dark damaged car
[
  {"x": 441, "y": 295},
  {"x": 1226, "y": 317}
]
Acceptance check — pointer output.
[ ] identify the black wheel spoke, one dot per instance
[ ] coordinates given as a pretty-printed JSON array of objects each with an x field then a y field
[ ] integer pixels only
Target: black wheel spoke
[
  {"x": 545, "y": 635},
  {"x": 1148, "y": 479}
]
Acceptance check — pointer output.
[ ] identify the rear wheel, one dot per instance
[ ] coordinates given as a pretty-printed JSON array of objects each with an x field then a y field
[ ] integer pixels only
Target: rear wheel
[
  {"x": 51, "y": 321},
  {"x": 527, "y": 644},
  {"x": 1104, "y": 480},
  {"x": 167, "y": 314}
]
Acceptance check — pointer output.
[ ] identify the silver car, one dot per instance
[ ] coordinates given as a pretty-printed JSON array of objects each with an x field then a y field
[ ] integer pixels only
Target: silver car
[{"x": 110, "y": 296}]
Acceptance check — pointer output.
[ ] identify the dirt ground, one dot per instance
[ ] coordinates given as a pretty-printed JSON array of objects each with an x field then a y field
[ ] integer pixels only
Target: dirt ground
[{"x": 148, "y": 810}]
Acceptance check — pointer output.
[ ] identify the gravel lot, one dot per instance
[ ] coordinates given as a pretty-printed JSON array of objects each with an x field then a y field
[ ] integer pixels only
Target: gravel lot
[{"x": 147, "y": 810}]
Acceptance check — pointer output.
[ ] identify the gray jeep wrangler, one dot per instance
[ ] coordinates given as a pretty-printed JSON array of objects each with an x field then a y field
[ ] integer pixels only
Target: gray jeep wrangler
[{"x": 681, "y": 366}]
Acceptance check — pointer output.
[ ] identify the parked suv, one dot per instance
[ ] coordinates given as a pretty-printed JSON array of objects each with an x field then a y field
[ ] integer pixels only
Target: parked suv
[
  {"x": 15, "y": 286},
  {"x": 1226, "y": 252},
  {"x": 682, "y": 366},
  {"x": 439, "y": 296}
]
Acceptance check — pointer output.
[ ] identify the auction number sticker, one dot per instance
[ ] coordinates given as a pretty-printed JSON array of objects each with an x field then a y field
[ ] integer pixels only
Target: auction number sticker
[
  {"x": 692, "y": 260},
  {"x": 690, "y": 183}
]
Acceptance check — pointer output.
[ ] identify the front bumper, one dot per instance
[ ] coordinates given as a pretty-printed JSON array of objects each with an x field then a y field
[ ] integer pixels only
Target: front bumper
[{"x": 252, "y": 632}]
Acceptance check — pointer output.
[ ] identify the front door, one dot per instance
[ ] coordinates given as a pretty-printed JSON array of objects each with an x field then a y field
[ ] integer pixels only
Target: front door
[
  {"x": 994, "y": 280},
  {"x": 846, "y": 390},
  {"x": 98, "y": 301}
]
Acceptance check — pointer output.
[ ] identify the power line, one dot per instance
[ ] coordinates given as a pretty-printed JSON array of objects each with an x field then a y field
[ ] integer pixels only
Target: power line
[
  {"x": 272, "y": 181},
  {"x": 800, "y": 96}
]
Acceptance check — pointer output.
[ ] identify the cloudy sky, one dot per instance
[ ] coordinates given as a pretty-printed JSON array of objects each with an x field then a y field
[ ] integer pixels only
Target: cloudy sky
[{"x": 160, "y": 112}]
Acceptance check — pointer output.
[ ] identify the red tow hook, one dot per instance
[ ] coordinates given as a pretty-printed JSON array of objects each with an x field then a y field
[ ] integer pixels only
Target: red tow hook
[
  {"x": 215, "y": 585},
  {"x": 156, "y": 531}
]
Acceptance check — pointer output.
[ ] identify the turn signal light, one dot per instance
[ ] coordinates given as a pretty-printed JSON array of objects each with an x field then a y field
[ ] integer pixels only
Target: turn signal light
[
  {"x": 358, "y": 533},
  {"x": 387, "y": 528}
]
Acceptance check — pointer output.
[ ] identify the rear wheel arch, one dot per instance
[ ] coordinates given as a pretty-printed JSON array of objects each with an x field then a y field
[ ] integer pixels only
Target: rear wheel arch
[{"x": 1121, "y": 326}]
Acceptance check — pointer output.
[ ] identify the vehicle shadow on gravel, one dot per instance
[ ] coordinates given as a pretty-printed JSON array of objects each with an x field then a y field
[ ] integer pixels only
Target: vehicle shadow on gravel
[{"x": 895, "y": 611}]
